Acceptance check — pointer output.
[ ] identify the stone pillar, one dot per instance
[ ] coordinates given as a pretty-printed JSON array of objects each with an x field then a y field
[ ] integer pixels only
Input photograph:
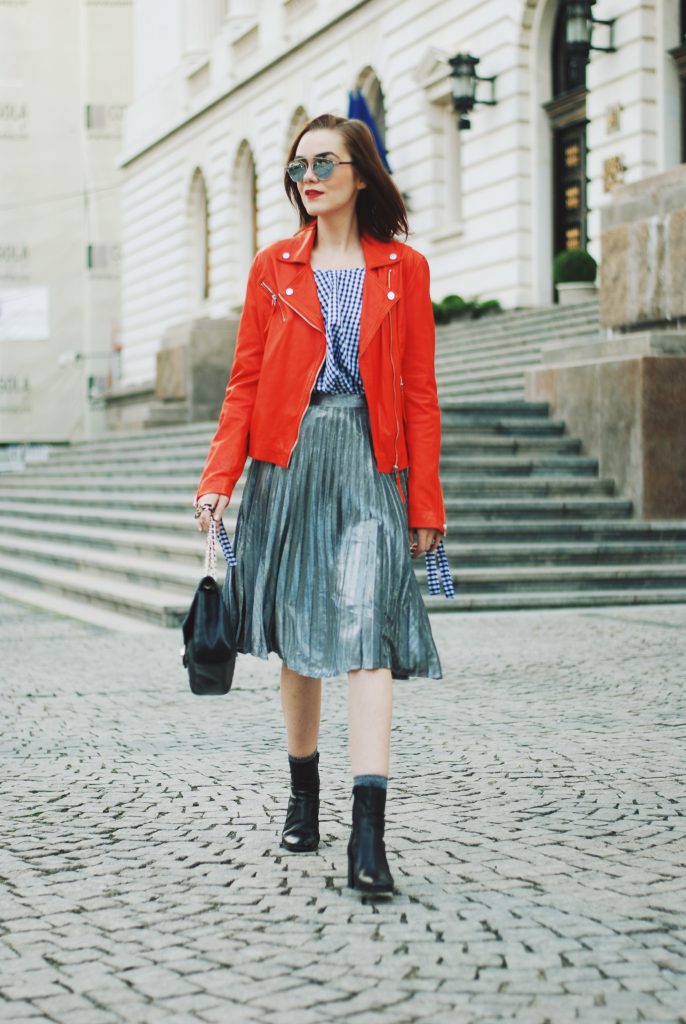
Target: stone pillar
[
  {"x": 643, "y": 244},
  {"x": 193, "y": 366},
  {"x": 625, "y": 394}
]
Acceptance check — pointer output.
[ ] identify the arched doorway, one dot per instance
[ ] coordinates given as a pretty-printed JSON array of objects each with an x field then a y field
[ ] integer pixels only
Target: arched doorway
[
  {"x": 246, "y": 217},
  {"x": 566, "y": 112}
]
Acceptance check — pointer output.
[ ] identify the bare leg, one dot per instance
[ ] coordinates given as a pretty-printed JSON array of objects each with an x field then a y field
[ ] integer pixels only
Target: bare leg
[
  {"x": 301, "y": 701},
  {"x": 370, "y": 712}
]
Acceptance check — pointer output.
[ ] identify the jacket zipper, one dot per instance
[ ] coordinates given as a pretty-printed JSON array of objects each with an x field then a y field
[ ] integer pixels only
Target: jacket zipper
[
  {"x": 314, "y": 379},
  {"x": 395, "y": 401},
  {"x": 275, "y": 299}
]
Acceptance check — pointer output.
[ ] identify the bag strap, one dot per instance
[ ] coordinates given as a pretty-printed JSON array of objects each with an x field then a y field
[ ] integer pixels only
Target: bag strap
[
  {"x": 442, "y": 569},
  {"x": 213, "y": 533}
]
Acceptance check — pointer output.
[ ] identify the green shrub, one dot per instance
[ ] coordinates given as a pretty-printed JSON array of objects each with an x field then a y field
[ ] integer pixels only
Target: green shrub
[
  {"x": 454, "y": 307},
  {"x": 574, "y": 265},
  {"x": 486, "y": 308},
  {"x": 440, "y": 316}
]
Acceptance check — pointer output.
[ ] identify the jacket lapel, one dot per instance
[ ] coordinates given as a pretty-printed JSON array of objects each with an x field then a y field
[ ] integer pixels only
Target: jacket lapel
[
  {"x": 378, "y": 297},
  {"x": 294, "y": 278},
  {"x": 297, "y": 286}
]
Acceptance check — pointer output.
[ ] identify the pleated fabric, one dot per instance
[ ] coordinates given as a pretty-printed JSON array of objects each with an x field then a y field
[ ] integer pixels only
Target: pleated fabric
[{"x": 323, "y": 573}]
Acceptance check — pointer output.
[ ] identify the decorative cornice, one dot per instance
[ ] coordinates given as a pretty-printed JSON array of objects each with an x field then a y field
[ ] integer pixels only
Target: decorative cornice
[{"x": 126, "y": 161}]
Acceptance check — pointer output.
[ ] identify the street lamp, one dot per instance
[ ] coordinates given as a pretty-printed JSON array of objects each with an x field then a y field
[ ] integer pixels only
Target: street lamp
[
  {"x": 464, "y": 87},
  {"x": 579, "y": 24}
]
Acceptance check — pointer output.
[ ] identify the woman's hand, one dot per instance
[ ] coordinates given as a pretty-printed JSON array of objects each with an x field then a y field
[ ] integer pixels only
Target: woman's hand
[
  {"x": 218, "y": 503},
  {"x": 424, "y": 539}
]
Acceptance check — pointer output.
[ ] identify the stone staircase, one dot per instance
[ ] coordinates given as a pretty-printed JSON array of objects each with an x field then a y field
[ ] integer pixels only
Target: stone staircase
[
  {"x": 104, "y": 529},
  {"x": 486, "y": 358}
]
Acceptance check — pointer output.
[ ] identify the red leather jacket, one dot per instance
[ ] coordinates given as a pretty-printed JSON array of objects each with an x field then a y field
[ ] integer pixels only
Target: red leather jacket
[{"x": 281, "y": 346}]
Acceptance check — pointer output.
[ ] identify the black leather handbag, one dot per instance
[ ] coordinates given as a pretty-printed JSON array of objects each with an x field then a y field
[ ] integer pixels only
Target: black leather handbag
[{"x": 209, "y": 651}]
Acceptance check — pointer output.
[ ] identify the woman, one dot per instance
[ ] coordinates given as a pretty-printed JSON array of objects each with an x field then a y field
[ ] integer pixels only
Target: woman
[{"x": 332, "y": 393}]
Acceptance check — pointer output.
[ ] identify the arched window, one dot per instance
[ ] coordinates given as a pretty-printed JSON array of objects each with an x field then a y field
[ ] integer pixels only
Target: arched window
[
  {"x": 200, "y": 238},
  {"x": 370, "y": 87},
  {"x": 245, "y": 198},
  {"x": 298, "y": 120}
]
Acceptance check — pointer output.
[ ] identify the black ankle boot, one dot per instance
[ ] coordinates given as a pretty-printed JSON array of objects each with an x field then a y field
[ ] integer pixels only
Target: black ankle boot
[
  {"x": 367, "y": 865},
  {"x": 301, "y": 830}
]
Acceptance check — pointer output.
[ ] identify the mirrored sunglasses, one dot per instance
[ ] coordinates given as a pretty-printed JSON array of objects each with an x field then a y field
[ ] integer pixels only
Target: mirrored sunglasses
[{"x": 322, "y": 167}]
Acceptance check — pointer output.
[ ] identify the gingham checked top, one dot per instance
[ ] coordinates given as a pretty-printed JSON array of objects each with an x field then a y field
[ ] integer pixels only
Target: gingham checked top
[{"x": 340, "y": 296}]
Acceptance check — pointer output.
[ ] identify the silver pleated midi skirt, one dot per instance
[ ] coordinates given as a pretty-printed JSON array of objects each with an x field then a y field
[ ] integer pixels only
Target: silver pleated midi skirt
[{"x": 324, "y": 576}]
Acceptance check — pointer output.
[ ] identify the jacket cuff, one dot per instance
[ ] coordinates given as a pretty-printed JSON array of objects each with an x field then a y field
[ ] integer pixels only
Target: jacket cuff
[
  {"x": 214, "y": 485},
  {"x": 426, "y": 519}
]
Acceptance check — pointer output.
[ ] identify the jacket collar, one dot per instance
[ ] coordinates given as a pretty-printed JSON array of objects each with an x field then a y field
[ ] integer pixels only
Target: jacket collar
[
  {"x": 295, "y": 279},
  {"x": 376, "y": 252}
]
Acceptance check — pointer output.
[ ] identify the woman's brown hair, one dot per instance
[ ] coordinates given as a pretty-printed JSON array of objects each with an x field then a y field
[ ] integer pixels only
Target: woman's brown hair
[{"x": 380, "y": 208}]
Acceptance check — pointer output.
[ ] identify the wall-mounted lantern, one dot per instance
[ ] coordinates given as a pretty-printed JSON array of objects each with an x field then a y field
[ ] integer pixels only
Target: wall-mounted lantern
[
  {"x": 464, "y": 87},
  {"x": 579, "y": 25}
]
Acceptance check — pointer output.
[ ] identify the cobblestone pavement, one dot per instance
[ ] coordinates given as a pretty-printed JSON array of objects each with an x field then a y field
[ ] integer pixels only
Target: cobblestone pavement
[{"x": 535, "y": 829}]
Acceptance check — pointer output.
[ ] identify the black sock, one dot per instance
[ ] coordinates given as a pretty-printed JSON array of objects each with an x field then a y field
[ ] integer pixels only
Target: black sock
[{"x": 305, "y": 771}]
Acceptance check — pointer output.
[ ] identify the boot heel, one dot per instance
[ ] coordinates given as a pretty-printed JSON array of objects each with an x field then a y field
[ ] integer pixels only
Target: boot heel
[{"x": 351, "y": 871}]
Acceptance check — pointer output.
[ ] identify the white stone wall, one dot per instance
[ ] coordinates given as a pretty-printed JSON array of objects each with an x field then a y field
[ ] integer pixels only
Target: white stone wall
[{"x": 216, "y": 79}]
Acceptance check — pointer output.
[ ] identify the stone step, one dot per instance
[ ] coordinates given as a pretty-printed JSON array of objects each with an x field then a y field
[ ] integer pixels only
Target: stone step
[
  {"x": 185, "y": 544},
  {"x": 480, "y": 376},
  {"x": 475, "y": 527},
  {"x": 481, "y": 410},
  {"x": 179, "y": 478},
  {"x": 176, "y": 558},
  {"x": 455, "y": 428},
  {"x": 583, "y": 542},
  {"x": 162, "y": 606},
  {"x": 166, "y": 602},
  {"x": 482, "y": 568},
  {"x": 147, "y": 569},
  {"x": 515, "y": 465},
  {"x": 497, "y": 352},
  {"x": 534, "y": 532},
  {"x": 518, "y": 324},
  {"x": 170, "y": 490},
  {"x": 465, "y": 423},
  {"x": 185, "y": 473},
  {"x": 486, "y": 367},
  {"x": 505, "y": 388},
  {"x": 35, "y": 596},
  {"x": 576, "y": 577},
  {"x": 192, "y": 459},
  {"x": 548, "y": 599},
  {"x": 161, "y": 504},
  {"x": 492, "y": 348}
]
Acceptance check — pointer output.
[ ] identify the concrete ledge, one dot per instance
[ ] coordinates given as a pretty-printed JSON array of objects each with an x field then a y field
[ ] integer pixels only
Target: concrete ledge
[
  {"x": 643, "y": 343},
  {"x": 630, "y": 413}
]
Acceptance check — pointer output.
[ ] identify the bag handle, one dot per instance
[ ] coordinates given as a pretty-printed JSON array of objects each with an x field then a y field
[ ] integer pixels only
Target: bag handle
[{"x": 213, "y": 534}]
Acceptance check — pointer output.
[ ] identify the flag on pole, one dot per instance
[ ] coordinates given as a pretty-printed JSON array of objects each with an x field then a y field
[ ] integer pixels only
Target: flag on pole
[{"x": 357, "y": 108}]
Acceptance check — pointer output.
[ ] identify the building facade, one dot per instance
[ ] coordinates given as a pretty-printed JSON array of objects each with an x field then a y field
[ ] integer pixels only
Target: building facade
[
  {"x": 65, "y": 82},
  {"x": 220, "y": 86}
]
